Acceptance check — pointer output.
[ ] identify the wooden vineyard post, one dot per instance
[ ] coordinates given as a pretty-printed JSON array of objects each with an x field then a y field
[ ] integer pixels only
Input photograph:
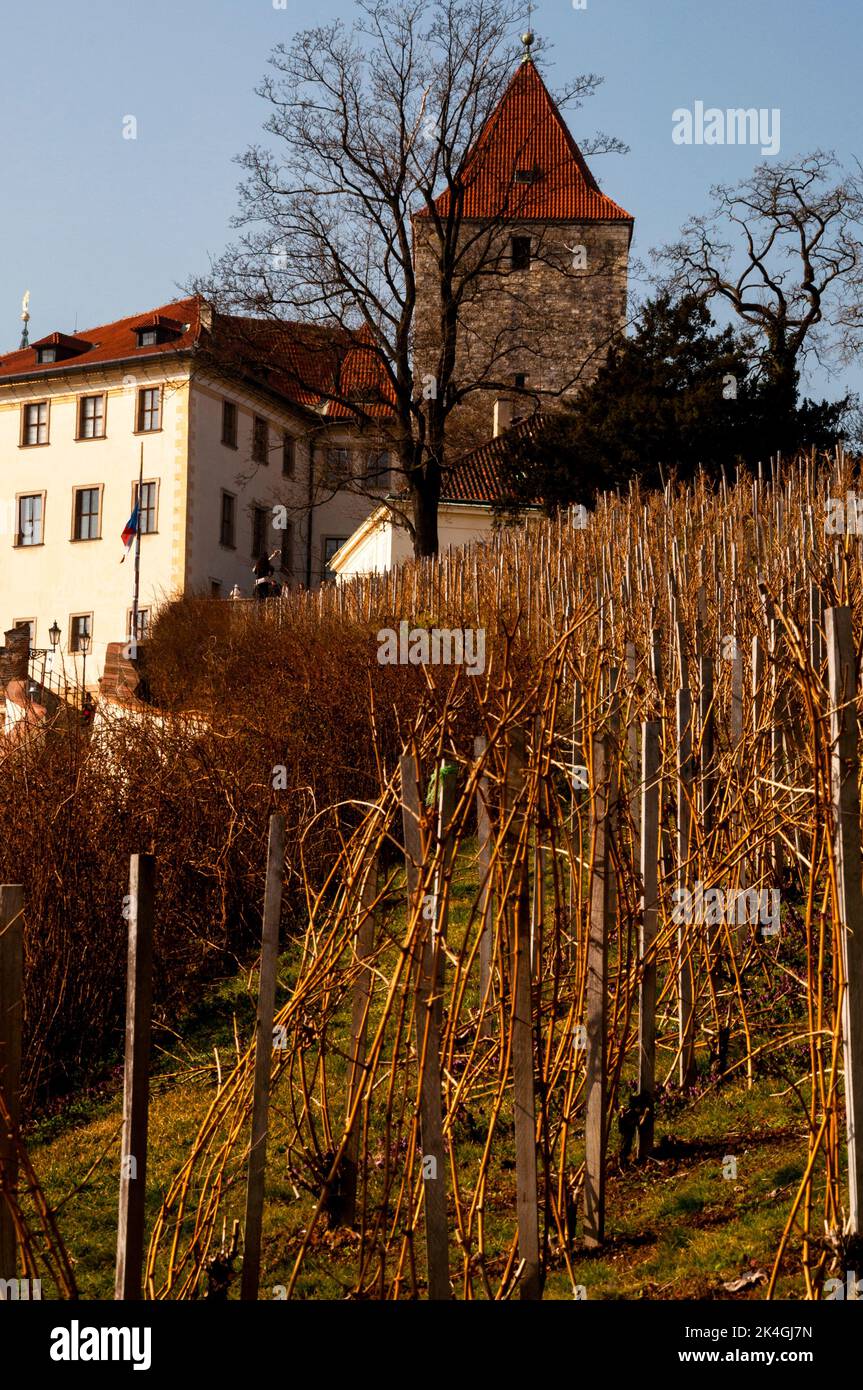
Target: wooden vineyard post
[
  {"x": 522, "y": 1033},
  {"x": 842, "y": 671},
  {"x": 757, "y": 709},
  {"x": 777, "y": 761},
  {"x": 685, "y": 930},
  {"x": 707, "y": 788},
  {"x": 614, "y": 685},
  {"x": 537, "y": 902},
  {"x": 632, "y": 743},
  {"x": 536, "y": 908},
  {"x": 816, "y": 634},
  {"x": 816, "y": 657},
  {"x": 578, "y": 782},
  {"x": 427, "y": 1045},
  {"x": 444, "y": 806},
  {"x": 705, "y": 720},
  {"x": 362, "y": 993},
  {"x": 483, "y": 827},
  {"x": 263, "y": 1058},
  {"x": 650, "y": 851},
  {"x": 136, "y": 1077},
  {"x": 596, "y": 1079},
  {"x": 11, "y": 1019},
  {"x": 667, "y": 856},
  {"x": 736, "y": 694},
  {"x": 757, "y": 679}
]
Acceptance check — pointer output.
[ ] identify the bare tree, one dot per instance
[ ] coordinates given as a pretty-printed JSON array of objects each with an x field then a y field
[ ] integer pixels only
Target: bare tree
[
  {"x": 371, "y": 125},
  {"x": 783, "y": 249}
]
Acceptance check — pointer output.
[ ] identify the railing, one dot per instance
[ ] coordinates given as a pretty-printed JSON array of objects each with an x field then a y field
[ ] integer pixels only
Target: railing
[{"x": 49, "y": 681}]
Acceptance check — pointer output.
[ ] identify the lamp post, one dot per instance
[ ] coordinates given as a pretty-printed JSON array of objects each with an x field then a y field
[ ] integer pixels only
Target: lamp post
[
  {"x": 84, "y": 647},
  {"x": 54, "y": 635}
]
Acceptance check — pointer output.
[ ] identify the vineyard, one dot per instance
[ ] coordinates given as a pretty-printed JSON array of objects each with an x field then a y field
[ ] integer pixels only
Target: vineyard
[{"x": 613, "y": 873}]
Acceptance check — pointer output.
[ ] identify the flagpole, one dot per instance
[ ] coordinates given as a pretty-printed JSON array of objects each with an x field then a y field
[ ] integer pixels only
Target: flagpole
[{"x": 133, "y": 635}]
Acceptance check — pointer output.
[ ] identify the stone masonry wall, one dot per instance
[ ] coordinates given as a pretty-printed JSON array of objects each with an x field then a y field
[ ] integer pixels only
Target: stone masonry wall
[
  {"x": 14, "y": 657},
  {"x": 552, "y": 322}
]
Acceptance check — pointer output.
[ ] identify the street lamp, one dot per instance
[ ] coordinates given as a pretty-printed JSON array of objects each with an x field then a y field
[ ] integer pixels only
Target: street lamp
[
  {"x": 84, "y": 647},
  {"x": 54, "y": 634}
]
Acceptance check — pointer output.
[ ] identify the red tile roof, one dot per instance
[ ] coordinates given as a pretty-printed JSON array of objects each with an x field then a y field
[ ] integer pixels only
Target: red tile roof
[
  {"x": 318, "y": 367},
  {"x": 312, "y": 366},
  {"x": 66, "y": 340},
  {"x": 158, "y": 320},
  {"x": 527, "y": 132},
  {"x": 111, "y": 342},
  {"x": 476, "y": 476}
]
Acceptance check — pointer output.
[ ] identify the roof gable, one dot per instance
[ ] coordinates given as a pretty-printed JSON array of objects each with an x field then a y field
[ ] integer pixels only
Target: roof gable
[
  {"x": 526, "y": 135},
  {"x": 63, "y": 340}
]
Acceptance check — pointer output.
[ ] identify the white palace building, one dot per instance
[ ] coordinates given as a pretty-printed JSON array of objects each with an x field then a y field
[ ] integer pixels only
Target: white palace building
[{"x": 240, "y": 458}]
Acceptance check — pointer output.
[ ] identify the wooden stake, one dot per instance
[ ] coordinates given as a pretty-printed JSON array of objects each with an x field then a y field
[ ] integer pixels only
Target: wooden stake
[
  {"x": 842, "y": 672},
  {"x": 632, "y": 741},
  {"x": 362, "y": 993},
  {"x": 136, "y": 1079},
  {"x": 736, "y": 696},
  {"x": 705, "y": 719},
  {"x": 522, "y": 1037},
  {"x": 777, "y": 756},
  {"x": 263, "y": 1058},
  {"x": 757, "y": 682},
  {"x": 816, "y": 635},
  {"x": 483, "y": 823},
  {"x": 11, "y": 1019},
  {"x": 650, "y": 851},
  {"x": 656, "y": 659},
  {"x": 685, "y": 931},
  {"x": 757, "y": 710},
  {"x": 596, "y": 1079},
  {"x": 445, "y": 804},
  {"x": 537, "y": 902},
  {"x": 427, "y": 1044}
]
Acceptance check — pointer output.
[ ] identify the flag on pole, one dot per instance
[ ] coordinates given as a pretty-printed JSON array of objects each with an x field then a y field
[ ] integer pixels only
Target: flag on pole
[{"x": 130, "y": 531}]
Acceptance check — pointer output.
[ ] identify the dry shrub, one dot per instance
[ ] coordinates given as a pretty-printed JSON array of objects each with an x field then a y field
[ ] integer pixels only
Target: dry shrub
[{"x": 196, "y": 790}]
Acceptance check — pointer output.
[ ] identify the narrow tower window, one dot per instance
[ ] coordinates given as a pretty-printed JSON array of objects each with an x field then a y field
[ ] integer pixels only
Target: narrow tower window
[{"x": 520, "y": 252}]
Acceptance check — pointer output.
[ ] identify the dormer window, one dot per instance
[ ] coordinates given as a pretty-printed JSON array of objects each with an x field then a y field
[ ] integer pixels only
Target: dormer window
[
  {"x": 58, "y": 346},
  {"x": 158, "y": 329},
  {"x": 528, "y": 175}
]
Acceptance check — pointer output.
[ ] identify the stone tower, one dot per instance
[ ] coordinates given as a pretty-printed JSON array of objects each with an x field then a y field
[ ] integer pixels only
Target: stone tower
[{"x": 550, "y": 253}]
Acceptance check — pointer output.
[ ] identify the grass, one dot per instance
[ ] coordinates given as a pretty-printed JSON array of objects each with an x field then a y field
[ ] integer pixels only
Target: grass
[{"x": 678, "y": 1227}]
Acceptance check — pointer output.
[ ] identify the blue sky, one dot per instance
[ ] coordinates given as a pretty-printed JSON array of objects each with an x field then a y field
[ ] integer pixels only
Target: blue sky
[{"x": 97, "y": 226}]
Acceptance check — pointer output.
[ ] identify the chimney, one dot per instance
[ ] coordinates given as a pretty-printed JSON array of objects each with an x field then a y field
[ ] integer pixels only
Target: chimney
[
  {"x": 14, "y": 656},
  {"x": 503, "y": 410}
]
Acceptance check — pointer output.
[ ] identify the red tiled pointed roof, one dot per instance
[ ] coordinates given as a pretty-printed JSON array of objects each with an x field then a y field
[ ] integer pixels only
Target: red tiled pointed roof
[{"x": 527, "y": 132}]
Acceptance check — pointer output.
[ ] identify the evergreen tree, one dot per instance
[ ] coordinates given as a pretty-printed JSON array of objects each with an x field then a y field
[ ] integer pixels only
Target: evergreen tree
[{"x": 678, "y": 395}]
